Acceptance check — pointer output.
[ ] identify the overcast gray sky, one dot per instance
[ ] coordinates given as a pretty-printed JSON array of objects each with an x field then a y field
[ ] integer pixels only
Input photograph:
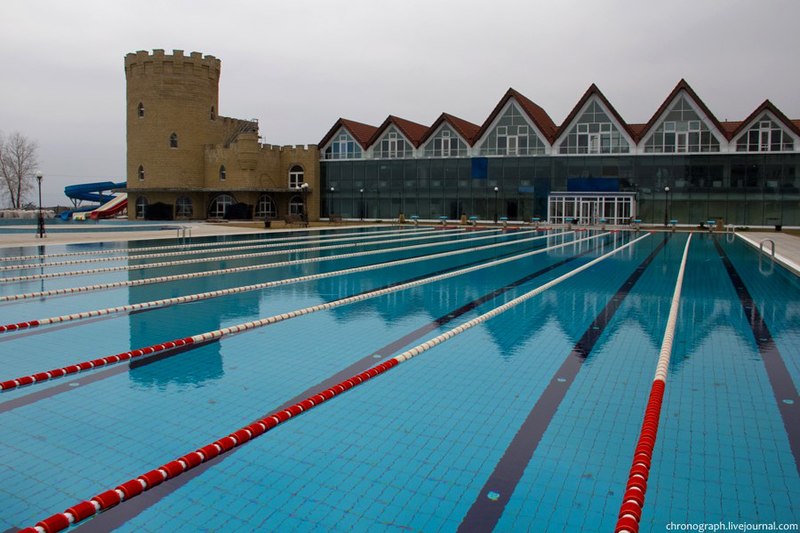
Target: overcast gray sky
[{"x": 297, "y": 66}]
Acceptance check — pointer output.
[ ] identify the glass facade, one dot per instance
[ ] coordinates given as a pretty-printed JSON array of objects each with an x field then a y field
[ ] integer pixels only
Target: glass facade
[{"x": 736, "y": 188}]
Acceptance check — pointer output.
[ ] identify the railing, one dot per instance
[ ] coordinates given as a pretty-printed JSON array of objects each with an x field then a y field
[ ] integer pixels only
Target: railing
[{"x": 761, "y": 269}]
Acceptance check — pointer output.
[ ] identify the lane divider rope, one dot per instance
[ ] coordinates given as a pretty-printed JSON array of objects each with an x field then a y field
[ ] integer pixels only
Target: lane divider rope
[
  {"x": 136, "y": 486},
  {"x": 198, "y": 245},
  {"x": 162, "y": 264},
  {"x": 30, "y": 266},
  {"x": 7, "y": 328},
  {"x": 201, "y": 338},
  {"x": 630, "y": 512},
  {"x": 232, "y": 270}
]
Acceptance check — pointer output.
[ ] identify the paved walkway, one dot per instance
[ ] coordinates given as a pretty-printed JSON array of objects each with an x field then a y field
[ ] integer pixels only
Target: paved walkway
[{"x": 787, "y": 247}]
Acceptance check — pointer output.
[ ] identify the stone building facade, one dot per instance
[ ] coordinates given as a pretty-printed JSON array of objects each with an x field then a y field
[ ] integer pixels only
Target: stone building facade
[{"x": 186, "y": 161}]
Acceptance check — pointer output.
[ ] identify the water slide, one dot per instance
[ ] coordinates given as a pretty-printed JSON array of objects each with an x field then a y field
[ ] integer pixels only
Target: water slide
[
  {"x": 111, "y": 208},
  {"x": 91, "y": 192}
]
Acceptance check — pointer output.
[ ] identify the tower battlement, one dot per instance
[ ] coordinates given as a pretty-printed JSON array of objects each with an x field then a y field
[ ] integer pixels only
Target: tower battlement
[{"x": 195, "y": 63}]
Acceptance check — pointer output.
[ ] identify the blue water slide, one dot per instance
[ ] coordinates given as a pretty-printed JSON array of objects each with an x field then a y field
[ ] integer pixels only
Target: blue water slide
[{"x": 90, "y": 192}]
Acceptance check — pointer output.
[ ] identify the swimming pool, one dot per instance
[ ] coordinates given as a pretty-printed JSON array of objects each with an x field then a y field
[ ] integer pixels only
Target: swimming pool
[{"x": 525, "y": 421}]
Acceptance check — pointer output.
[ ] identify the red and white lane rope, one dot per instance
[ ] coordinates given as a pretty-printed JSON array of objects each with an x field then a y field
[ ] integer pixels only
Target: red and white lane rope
[
  {"x": 133, "y": 487},
  {"x": 161, "y": 264},
  {"x": 232, "y": 270},
  {"x": 245, "y": 288},
  {"x": 633, "y": 501},
  {"x": 208, "y": 336},
  {"x": 188, "y": 246},
  {"x": 225, "y": 249}
]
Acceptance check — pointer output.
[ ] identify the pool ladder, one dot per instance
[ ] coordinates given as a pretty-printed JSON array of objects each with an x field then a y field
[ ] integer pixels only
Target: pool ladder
[
  {"x": 761, "y": 268},
  {"x": 183, "y": 233}
]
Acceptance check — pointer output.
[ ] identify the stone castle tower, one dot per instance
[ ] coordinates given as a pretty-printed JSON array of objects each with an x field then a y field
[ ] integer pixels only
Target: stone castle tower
[{"x": 194, "y": 163}]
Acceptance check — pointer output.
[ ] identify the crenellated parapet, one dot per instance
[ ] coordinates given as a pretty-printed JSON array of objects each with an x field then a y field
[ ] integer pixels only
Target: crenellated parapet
[{"x": 196, "y": 64}]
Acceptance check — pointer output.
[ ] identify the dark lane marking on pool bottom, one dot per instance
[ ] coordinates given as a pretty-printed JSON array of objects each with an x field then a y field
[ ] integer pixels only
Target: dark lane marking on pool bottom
[
  {"x": 491, "y": 501},
  {"x": 117, "y": 516},
  {"x": 779, "y": 378}
]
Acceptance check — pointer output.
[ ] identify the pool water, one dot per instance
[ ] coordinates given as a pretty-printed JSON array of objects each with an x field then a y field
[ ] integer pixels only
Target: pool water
[{"x": 527, "y": 421}]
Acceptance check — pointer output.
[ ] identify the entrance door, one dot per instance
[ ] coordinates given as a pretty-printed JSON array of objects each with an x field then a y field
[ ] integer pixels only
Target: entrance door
[{"x": 588, "y": 211}]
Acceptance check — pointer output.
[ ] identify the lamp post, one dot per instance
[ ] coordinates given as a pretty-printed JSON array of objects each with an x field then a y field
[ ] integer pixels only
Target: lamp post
[
  {"x": 361, "y": 204},
  {"x": 330, "y": 205},
  {"x": 666, "y": 206},
  {"x": 496, "y": 190},
  {"x": 41, "y": 216},
  {"x": 304, "y": 188}
]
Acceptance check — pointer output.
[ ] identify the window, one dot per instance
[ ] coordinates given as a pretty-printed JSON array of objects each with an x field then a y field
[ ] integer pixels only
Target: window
[
  {"x": 140, "y": 110},
  {"x": 682, "y": 131},
  {"x": 183, "y": 207},
  {"x": 173, "y": 140},
  {"x": 141, "y": 207},
  {"x": 343, "y": 147},
  {"x": 219, "y": 206},
  {"x": 393, "y": 146},
  {"x": 141, "y": 173},
  {"x": 265, "y": 208},
  {"x": 222, "y": 173},
  {"x": 295, "y": 205},
  {"x": 213, "y": 113},
  {"x": 765, "y": 136},
  {"x": 512, "y": 136},
  {"x": 296, "y": 177},
  {"x": 445, "y": 143},
  {"x": 512, "y": 140}
]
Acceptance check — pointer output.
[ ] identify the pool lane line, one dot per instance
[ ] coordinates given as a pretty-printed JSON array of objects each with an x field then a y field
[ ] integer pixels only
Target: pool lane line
[
  {"x": 247, "y": 245},
  {"x": 233, "y": 270},
  {"x": 197, "y": 260},
  {"x": 165, "y": 302},
  {"x": 118, "y": 516},
  {"x": 210, "y": 244},
  {"x": 42, "y": 377},
  {"x": 133, "y": 487},
  {"x": 780, "y": 379},
  {"x": 354, "y": 368},
  {"x": 490, "y": 503},
  {"x": 630, "y": 512}
]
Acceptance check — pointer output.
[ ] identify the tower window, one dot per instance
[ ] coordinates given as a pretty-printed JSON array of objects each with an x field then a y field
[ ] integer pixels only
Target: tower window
[
  {"x": 140, "y": 110},
  {"x": 295, "y": 177},
  {"x": 222, "y": 173},
  {"x": 141, "y": 173},
  {"x": 173, "y": 140}
]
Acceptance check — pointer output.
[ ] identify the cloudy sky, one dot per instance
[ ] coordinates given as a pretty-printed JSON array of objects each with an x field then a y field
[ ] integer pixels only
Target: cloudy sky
[{"x": 298, "y": 66}]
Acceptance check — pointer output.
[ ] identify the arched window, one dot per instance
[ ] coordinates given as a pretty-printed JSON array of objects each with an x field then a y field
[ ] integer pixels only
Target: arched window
[
  {"x": 140, "y": 110},
  {"x": 141, "y": 207},
  {"x": 265, "y": 208},
  {"x": 295, "y": 177},
  {"x": 296, "y": 205},
  {"x": 219, "y": 205},
  {"x": 222, "y": 173},
  {"x": 213, "y": 113},
  {"x": 141, "y": 173},
  {"x": 183, "y": 207},
  {"x": 173, "y": 140}
]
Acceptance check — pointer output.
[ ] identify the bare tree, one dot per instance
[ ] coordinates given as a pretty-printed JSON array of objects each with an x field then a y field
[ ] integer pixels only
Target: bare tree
[{"x": 18, "y": 164}]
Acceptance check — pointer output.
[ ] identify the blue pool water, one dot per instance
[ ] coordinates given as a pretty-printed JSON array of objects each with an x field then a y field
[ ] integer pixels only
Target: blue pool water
[{"x": 417, "y": 448}]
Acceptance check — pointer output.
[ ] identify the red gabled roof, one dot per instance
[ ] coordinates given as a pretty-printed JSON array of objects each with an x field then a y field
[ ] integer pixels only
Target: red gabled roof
[
  {"x": 411, "y": 130},
  {"x": 636, "y": 131},
  {"x": 593, "y": 90},
  {"x": 767, "y": 106},
  {"x": 730, "y": 126},
  {"x": 466, "y": 129},
  {"x": 538, "y": 115},
  {"x": 681, "y": 86},
  {"x": 360, "y": 132}
]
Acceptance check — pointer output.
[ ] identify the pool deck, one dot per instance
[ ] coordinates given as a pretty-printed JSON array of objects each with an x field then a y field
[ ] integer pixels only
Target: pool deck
[{"x": 787, "y": 247}]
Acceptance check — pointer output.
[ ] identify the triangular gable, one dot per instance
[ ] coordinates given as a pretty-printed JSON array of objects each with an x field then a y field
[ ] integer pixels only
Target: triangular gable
[
  {"x": 769, "y": 107},
  {"x": 362, "y": 133},
  {"x": 465, "y": 129},
  {"x": 412, "y": 131},
  {"x": 538, "y": 116},
  {"x": 593, "y": 93},
  {"x": 683, "y": 86}
]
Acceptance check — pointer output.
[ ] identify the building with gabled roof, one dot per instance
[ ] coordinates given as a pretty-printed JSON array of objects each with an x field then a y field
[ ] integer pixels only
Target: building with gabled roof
[{"x": 682, "y": 165}]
